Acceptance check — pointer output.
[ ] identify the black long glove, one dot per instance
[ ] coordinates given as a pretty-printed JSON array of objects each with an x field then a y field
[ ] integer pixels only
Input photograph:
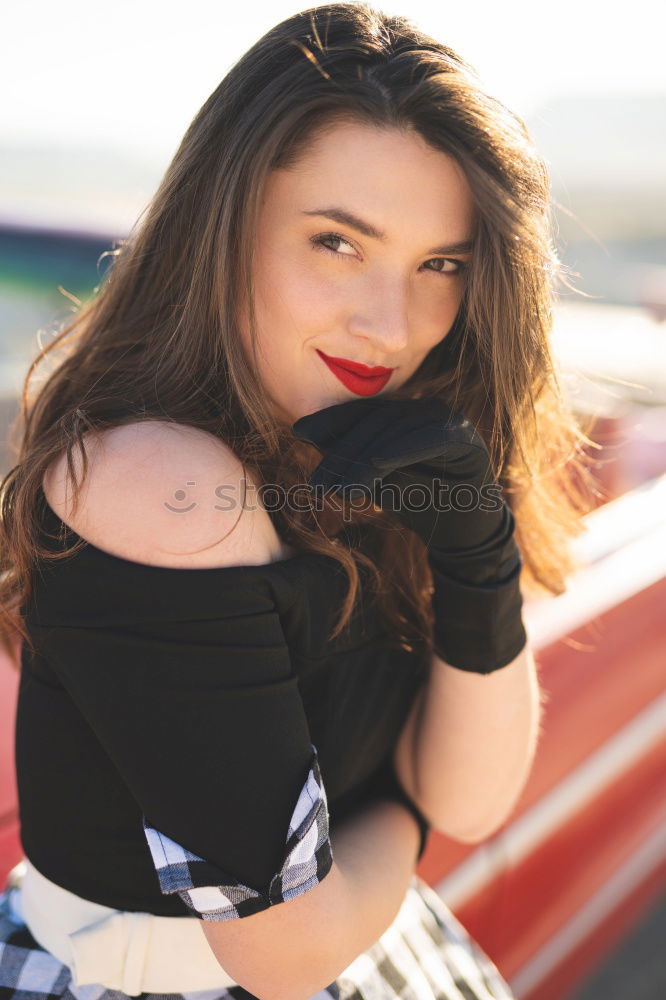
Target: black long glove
[{"x": 387, "y": 448}]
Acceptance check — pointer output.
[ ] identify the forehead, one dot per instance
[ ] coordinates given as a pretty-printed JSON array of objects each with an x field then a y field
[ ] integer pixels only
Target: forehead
[{"x": 390, "y": 176}]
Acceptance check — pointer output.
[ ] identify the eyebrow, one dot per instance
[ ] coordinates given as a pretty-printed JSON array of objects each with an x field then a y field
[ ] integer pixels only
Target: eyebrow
[{"x": 346, "y": 218}]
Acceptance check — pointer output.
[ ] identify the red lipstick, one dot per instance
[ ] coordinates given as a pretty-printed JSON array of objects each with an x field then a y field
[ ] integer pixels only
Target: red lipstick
[{"x": 360, "y": 379}]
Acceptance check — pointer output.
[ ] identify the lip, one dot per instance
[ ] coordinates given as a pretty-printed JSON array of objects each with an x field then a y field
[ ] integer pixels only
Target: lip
[
  {"x": 359, "y": 379},
  {"x": 353, "y": 366}
]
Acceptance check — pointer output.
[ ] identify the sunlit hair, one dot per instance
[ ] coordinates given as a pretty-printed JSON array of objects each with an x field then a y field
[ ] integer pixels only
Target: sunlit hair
[{"x": 158, "y": 340}]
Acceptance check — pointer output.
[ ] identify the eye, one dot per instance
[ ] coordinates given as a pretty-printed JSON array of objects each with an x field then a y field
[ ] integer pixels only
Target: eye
[
  {"x": 319, "y": 243},
  {"x": 460, "y": 265}
]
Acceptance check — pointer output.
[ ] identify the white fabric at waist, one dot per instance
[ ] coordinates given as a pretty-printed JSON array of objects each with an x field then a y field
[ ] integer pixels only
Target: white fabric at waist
[{"x": 119, "y": 949}]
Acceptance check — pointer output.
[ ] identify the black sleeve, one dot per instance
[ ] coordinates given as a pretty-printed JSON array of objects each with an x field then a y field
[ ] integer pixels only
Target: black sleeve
[{"x": 205, "y": 723}]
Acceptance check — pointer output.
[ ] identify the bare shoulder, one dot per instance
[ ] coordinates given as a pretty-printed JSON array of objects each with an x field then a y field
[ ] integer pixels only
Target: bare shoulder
[{"x": 164, "y": 494}]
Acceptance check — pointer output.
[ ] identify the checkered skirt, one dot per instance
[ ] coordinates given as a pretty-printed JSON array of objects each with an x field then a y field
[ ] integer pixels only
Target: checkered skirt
[{"x": 426, "y": 954}]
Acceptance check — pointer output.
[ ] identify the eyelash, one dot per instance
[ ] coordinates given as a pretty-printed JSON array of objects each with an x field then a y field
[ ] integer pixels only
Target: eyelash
[{"x": 318, "y": 244}]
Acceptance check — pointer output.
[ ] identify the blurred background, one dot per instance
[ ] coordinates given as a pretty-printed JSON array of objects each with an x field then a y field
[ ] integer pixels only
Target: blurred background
[
  {"x": 97, "y": 100},
  {"x": 96, "y": 103}
]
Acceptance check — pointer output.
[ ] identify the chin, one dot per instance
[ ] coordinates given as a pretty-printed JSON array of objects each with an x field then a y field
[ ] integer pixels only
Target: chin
[{"x": 309, "y": 408}]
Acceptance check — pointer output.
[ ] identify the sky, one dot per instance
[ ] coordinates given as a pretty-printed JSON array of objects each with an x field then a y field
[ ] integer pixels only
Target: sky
[{"x": 132, "y": 74}]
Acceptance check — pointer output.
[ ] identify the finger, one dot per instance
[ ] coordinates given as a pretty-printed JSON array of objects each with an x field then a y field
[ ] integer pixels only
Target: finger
[
  {"x": 348, "y": 460},
  {"x": 326, "y": 477},
  {"x": 392, "y": 427},
  {"x": 408, "y": 456},
  {"x": 325, "y": 427}
]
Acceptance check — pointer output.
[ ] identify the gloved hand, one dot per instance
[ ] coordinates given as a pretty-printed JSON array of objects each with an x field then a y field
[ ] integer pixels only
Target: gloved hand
[{"x": 387, "y": 448}]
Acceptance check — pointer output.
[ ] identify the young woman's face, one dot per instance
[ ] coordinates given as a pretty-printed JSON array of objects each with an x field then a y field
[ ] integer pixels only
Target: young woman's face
[{"x": 322, "y": 284}]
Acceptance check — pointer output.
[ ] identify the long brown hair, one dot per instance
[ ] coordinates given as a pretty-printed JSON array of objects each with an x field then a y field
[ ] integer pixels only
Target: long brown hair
[{"x": 158, "y": 339}]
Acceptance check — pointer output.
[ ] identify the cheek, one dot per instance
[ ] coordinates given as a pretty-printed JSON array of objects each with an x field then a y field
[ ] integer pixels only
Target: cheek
[
  {"x": 437, "y": 316},
  {"x": 297, "y": 298},
  {"x": 280, "y": 280}
]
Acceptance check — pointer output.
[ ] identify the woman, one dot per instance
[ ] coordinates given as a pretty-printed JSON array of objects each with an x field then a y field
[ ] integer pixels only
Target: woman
[{"x": 252, "y": 711}]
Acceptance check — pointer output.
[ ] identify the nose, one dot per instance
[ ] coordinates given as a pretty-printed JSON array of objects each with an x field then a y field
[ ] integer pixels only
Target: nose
[{"x": 383, "y": 321}]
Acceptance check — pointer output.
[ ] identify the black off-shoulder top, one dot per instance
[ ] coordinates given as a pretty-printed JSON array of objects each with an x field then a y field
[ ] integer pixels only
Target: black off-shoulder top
[{"x": 186, "y": 739}]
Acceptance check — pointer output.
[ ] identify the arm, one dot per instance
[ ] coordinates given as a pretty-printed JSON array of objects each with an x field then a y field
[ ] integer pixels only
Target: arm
[
  {"x": 373, "y": 852},
  {"x": 289, "y": 950},
  {"x": 467, "y": 747}
]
